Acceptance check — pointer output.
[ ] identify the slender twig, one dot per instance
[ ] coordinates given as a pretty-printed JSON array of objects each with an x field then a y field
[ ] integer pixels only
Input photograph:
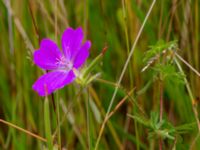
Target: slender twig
[
  {"x": 23, "y": 130},
  {"x": 112, "y": 112},
  {"x": 109, "y": 124},
  {"x": 120, "y": 103},
  {"x": 106, "y": 81},
  {"x": 187, "y": 64},
  {"x": 194, "y": 141}
]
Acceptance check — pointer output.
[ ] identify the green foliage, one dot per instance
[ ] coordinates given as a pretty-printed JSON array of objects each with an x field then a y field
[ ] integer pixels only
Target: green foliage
[
  {"x": 168, "y": 73},
  {"x": 162, "y": 129},
  {"x": 160, "y": 58},
  {"x": 156, "y": 128},
  {"x": 159, "y": 48}
]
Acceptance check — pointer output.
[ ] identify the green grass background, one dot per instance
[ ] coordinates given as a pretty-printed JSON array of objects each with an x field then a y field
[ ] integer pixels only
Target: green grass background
[{"x": 105, "y": 22}]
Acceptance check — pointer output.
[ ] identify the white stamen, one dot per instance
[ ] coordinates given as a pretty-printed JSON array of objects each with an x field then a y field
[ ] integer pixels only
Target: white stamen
[{"x": 64, "y": 64}]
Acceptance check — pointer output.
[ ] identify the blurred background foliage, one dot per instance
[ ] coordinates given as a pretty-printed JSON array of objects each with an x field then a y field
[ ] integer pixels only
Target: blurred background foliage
[{"x": 115, "y": 24}]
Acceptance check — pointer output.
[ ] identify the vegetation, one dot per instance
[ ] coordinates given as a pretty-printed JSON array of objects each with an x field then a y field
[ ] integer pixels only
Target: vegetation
[{"x": 139, "y": 88}]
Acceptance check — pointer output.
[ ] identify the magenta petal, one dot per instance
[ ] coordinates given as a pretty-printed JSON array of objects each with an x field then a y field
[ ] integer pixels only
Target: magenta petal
[
  {"x": 82, "y": 55},
  {"x": 71, "y": 42},
  {"x": 48, "y": 55},
  {"x": 52, "y": 81}
]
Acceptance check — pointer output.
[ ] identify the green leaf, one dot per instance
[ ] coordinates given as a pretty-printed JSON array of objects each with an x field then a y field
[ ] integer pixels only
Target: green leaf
[
  {"x": 185, "y": 128},
  {"x": 140, "y": 120}
]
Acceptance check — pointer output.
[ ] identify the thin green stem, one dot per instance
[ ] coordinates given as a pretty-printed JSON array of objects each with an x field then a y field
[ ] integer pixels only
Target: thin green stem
[
  {"x": 161, "y": 101},
  {"x": 58, "y": 122},
  {"x": 190, "y": 95},
  {"x": 88, "y": 118},
  {"x": 192, "y": 102},
  {"x": 47, "y": 124},
  {"x": 161, "y": 111}
]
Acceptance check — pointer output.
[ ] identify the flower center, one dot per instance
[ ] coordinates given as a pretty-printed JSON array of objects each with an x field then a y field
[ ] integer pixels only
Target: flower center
[{"x": 65, "y": 64}]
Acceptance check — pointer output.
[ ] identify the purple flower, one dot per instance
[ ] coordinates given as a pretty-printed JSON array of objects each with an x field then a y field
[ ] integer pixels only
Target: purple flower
[{"x": 60, "y": 65}]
